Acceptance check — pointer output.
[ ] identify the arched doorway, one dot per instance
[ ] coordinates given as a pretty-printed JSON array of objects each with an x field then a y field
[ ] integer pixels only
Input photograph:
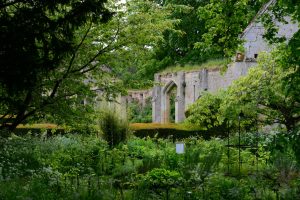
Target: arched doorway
[
  {"x": 163, "y": 98},
  {"x": 170, "y": 103}
]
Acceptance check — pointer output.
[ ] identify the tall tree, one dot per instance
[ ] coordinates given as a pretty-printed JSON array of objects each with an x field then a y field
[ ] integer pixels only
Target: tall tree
[
  {"x": 290, "y": 59},
  {"x": 178, "y": 44},
  {"x": 207, "y": 29},
  {"x": 69, "y": 55},
  {"x": 38, "y": 47}
]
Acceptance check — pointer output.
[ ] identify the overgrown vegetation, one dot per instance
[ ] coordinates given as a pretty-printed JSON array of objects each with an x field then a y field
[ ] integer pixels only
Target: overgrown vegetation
[
  {"x": 84, "y": 167},
  {"x": 139, "y": 113},
  {"x": 57, "y": 55}
]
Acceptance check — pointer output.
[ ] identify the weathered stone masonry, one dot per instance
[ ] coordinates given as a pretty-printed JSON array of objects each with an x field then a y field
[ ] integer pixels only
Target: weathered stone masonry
[
  {"x": 140, "y": 96},
  {"x": 189, "y": 87}
]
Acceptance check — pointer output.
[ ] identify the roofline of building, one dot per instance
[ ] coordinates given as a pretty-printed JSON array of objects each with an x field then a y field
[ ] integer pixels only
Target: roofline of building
[{"x": 257, "y": 16}]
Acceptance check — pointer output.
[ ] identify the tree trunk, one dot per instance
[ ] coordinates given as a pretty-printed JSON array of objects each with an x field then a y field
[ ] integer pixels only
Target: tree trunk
[{"x": 21, "y": 116}]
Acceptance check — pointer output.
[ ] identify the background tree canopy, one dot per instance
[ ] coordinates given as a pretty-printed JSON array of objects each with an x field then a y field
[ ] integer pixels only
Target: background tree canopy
[{"x": 207, "y": 29}]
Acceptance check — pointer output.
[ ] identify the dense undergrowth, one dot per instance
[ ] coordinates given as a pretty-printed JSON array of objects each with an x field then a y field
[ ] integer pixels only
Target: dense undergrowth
[{"x": 86, "y": 167}]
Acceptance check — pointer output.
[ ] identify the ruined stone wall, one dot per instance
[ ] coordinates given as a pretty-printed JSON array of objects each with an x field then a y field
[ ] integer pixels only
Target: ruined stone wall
[
  {"x": 190, "y": 85},
  {"x": 117, "y": 105},
  {"x": 138, "y": 95},
  {"x": 255, "y": 43},
  {"x": 253, "y": 34}
]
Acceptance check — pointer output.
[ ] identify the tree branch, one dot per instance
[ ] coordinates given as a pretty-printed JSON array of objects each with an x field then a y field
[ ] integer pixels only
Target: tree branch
[
  {"x": 77, "y": 48},
  {"x": 59, "y": 81},
  {"x": 43, "y": 105},
  {"x": 82, "y": 69}
]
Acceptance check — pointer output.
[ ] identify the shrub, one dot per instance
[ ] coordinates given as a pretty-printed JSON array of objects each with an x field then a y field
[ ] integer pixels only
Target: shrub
[
  {"x": 205, "y": 111},
  {"x": 114, "y": 129},
  {"x": 159, "y": 181},
  {"x": 220, "y": 187},
  {"x": 162, "y": 179}
]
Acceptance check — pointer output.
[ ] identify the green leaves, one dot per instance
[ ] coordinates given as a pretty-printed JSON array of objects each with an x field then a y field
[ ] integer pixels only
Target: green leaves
[
  {"x": 205, "y": 111},
  {"x": 139, "y": 26},
  {"x": 262, "y": 93},
  {"x": 158, "y": 179},
  {"x": 69, "y": 56},
  {"x": 83, "y": 167},
  {"x": 224, "y": 21}
]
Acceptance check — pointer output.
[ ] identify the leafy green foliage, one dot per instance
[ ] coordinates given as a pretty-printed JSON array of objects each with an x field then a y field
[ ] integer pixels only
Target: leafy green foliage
[
  {"x": 206, "y": 30},
  {"x": 178, "y": 46},
  {"x": 85, "y": 167},
  {"x": 79, "y": 59},
  {"x": 38, "y": 35},
  {"x": 224, "y": 21},
  {"x": 205, "y": 111},
  {"x": 162, "y": 179},
  {"x": 289, "y": 60},
  {"x": 139, "y": 26},
  {"x": 40, "y": 71},
  {"x": 227, "y": 188},
  {"x": 280, "y": 11},
  {"x": 262, "y": 92}
]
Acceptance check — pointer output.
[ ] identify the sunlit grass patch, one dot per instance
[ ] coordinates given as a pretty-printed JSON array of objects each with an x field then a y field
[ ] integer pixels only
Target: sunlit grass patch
[{"x": 39, "y": 126}]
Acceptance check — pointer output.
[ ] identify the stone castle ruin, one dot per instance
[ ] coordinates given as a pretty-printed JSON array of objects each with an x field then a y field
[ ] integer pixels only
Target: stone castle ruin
[
  {"x": 190, "y": 84},
  {"x": 139, "y": 96}
]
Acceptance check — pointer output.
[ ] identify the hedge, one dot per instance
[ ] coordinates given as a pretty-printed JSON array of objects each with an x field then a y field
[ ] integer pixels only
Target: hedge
[
  {"x": 49, "y": 129},
  {"x": 173, "y": 131},
  {"x": 141, "y": 130}
]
